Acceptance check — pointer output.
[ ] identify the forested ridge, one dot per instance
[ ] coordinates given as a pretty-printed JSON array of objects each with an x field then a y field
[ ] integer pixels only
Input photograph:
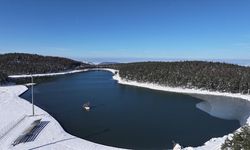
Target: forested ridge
[
  {"x": 189, "y": 74},
  {"x": 21, "y": 63}
]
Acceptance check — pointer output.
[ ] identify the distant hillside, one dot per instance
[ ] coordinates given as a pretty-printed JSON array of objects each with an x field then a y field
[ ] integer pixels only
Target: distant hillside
[
  {"x": 107, "y": 63},
  {"x": 21, "y": 63},
  {"x": 189, "y": 74}
]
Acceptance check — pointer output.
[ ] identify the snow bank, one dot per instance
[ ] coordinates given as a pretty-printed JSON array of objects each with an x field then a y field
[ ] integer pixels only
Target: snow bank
[
  {"x": 15, "y": 115},
  {"x": 201, "y": 94},
  {"x": 47, "y": 74},
  {"x": 178, "y": 89},
  {"x": 62, "y": 73}
]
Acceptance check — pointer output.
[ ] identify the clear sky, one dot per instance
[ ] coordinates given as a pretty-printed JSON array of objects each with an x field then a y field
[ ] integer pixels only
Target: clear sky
[{"x": 211, "y": 29}]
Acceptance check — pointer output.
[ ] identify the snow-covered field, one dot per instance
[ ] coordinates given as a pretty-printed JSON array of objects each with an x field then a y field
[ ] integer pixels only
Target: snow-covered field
[{"x": 54, "y": 137}]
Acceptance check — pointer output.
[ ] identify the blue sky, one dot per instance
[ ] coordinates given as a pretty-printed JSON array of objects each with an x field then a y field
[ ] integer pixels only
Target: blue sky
[{"x": 162, "y": 29}]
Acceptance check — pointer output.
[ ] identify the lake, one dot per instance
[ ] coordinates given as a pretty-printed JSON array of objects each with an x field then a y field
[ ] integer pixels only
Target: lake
[{"x": 126, "y": 116}]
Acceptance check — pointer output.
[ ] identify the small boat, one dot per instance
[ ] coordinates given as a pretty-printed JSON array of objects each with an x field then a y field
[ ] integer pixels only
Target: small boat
[{"x": 86, "y": 106}]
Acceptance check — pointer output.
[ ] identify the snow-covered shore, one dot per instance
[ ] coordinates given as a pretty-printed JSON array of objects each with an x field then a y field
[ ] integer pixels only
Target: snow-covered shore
[
  {"x": 14, "y": 109},
  {"x": 177, "y": 89},
  {"x": 214, "y": 143},
  {"x": 61, "y": 73},
  {"x": 47, "y": 74}
]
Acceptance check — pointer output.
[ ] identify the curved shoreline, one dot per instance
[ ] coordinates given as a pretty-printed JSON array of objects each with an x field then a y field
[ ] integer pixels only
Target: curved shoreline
[
  {"x": 53, "y": 136},
  {"x": 214, "y": 143},
  {"x": 46, "y": 74}
]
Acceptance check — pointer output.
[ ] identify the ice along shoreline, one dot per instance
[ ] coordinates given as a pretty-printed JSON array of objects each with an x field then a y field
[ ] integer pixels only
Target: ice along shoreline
[{"x": 214, "y": 143}]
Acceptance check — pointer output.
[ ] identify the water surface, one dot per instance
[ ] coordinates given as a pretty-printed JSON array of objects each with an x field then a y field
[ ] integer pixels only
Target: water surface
[{"x": 126, "y": 116}]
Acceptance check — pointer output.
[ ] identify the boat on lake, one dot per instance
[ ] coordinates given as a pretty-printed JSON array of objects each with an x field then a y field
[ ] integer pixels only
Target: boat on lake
[{"x": 86, "y": 106}]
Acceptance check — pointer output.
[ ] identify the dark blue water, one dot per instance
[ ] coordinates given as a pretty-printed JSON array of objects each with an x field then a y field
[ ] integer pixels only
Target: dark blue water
[{"x": 126, "y": 116}]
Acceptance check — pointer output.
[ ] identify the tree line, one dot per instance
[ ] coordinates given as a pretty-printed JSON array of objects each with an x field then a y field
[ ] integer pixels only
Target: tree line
[
  {"x": 212, "y": 76},
  {"x": 22, "y": 63}
]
